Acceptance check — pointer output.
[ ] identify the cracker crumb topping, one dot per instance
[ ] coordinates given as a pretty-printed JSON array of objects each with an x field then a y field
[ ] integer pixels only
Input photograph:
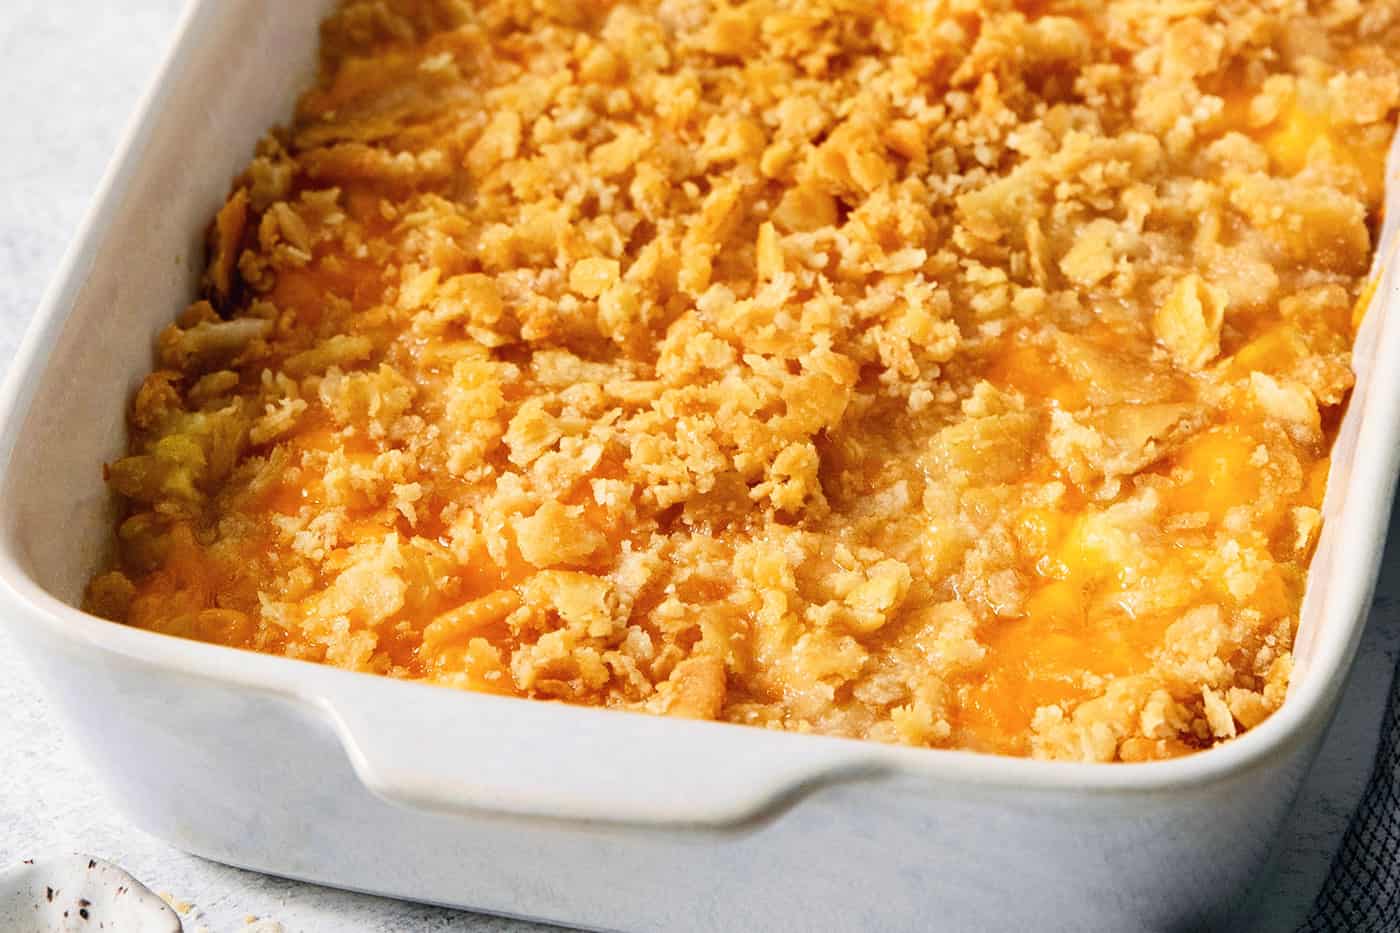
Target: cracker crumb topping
[{"x": 959, "y": 374}]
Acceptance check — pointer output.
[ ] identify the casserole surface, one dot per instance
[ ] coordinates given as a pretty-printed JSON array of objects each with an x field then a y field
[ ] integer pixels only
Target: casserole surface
[{"x": 878, "y": 373}]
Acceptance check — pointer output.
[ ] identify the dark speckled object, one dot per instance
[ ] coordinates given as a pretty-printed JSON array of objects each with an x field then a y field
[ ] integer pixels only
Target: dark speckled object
[{"x": 79, "y": 894}]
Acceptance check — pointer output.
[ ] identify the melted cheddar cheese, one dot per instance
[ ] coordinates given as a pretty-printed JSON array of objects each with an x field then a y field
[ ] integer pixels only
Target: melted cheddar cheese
[{"x": 954, "y": 374}]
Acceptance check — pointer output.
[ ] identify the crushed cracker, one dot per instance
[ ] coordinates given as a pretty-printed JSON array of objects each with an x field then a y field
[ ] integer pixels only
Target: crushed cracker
[{"x": 960, "y": 375}]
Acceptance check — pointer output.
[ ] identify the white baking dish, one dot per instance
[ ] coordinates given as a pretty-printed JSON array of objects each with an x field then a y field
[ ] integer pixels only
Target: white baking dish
[{"x": 593, "y": 818}]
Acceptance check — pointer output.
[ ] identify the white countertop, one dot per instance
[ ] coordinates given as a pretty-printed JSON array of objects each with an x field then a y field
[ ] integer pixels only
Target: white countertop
[{"x": 72, "y": 73}]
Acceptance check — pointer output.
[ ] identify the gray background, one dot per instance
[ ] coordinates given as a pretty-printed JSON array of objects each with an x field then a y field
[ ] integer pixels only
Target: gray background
[{"x": 72, "y": 72}]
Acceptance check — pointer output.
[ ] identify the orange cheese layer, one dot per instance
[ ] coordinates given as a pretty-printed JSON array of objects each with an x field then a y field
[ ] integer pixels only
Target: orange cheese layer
[{"x": 863, "y": 369}]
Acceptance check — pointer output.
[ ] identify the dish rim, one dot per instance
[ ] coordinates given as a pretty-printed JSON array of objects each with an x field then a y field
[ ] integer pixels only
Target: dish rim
[{"x": 1358, "y": 546}]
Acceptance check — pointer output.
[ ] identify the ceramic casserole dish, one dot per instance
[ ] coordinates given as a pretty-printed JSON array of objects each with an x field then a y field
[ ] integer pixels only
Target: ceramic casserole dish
[{"x": 584, "y": 817}]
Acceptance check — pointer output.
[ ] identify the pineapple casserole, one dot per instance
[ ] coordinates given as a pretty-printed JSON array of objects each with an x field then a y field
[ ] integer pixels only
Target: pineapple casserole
[{"x": 956, "y": 373}]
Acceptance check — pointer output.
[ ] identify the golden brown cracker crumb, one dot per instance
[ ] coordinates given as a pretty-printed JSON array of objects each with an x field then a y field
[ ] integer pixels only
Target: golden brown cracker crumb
[{"x": 956, "y": 376}]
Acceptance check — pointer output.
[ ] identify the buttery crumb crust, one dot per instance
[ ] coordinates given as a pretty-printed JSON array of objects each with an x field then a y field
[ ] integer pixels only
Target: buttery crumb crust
[{"x": 959, "y": 373}]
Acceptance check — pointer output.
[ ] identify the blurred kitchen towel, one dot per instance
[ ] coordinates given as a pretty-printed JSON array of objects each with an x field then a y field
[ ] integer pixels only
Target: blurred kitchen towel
[{"x": 1362, "y": 891}]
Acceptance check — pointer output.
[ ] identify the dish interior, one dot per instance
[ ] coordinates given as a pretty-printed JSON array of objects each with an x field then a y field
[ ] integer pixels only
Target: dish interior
[{"x": 825, "y": 439}]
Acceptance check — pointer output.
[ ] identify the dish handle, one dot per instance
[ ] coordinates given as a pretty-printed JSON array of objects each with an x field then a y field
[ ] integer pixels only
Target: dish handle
[{"x": 454, "y": 751}]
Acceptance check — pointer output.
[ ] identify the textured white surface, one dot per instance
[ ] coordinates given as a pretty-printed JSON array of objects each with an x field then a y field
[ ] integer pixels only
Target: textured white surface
[{"x": 73, "y": 73}]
